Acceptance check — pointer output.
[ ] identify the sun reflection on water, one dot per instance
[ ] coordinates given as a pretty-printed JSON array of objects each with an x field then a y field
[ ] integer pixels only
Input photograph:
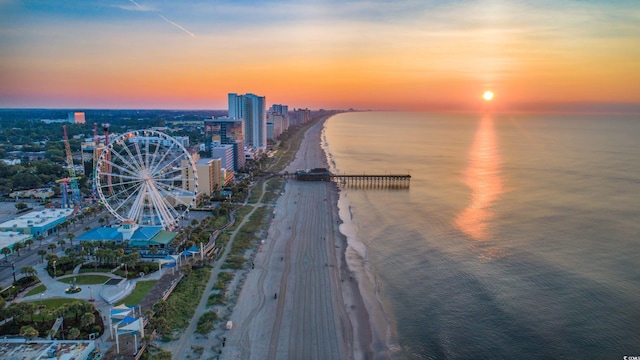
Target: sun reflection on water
[{"x": 483, "y": 178}]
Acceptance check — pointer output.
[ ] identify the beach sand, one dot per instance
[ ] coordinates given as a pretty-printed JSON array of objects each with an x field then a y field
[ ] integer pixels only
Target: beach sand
[{"x": 301, "y": 301}]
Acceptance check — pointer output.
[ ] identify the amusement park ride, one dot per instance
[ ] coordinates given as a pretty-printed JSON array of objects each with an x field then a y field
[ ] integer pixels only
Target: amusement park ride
[
  {"x": 145, "y": 177},
  {"x": 72, "y": 180}
]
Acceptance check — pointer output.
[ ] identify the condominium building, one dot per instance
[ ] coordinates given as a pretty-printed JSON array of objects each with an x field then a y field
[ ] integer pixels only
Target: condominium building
[
  {"x": 251, "y": 109},
  {"x": 226, "y": 131}
]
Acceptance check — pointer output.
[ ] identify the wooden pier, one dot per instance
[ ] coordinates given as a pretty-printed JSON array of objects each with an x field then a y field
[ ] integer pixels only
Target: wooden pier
[
  {"x": 387, "y": 181},
  {"x": 392, "y": 181}
]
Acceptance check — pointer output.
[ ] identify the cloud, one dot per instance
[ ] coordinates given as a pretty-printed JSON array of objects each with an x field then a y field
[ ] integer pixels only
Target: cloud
[
  {"x": 177, "y": 25},
  {"x": 137, "y": 7}
]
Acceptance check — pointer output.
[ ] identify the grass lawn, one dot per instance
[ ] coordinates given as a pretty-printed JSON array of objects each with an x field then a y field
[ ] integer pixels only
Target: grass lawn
[
  {"x": 36, "y": 290},
  {"x": 141, "y": 290},
  {"x": 86, "y": 279}
]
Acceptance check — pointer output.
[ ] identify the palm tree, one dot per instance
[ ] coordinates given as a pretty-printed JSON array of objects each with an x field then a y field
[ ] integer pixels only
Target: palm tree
[
  {"x": 71, "y": 236},
  {"x": 28, "y": 271},
  {"x": 61, "y": 242},
  {"x": 17, "y": 246},
  {"x": 5, "y": 251},
  {"x": 41, "y": 239},
  {"x": 28, "y": 242},
  {"x": 52, "y": 246},
  {"x": 42, "y": 253}
]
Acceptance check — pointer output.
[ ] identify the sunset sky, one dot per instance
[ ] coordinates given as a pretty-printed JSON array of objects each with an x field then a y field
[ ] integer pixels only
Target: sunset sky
[{"x": 404, "y": 55}]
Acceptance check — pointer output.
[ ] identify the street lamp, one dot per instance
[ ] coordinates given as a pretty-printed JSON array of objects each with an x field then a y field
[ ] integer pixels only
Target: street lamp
[
  {"x": 54, "y": 269},
  {"x": 13, "y": 270},
  {"x": 126, "y": 272},
  {"x": 90, "y": 294}
]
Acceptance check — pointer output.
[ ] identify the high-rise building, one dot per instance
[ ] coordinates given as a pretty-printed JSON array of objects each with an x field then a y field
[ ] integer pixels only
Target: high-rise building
[
  {"x": 279, "y": 116},
  {"x": 226, "y": 131},
  {"x": 251, "y": 109},
  {"x": 300, "y": 116},
  {"x": 225, "y": 153},
  {"x": 209, "y": 175},
  {"x": 76, "y": 117}
]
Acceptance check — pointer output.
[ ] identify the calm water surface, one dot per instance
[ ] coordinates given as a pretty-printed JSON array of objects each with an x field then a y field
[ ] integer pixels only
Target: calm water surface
[{"x": 519, "y": 236}]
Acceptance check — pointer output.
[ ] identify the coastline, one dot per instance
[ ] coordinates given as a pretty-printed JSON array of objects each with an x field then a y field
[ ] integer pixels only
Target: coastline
[
  {"x": 302, "y": 298},
  {"x": 370, "y": 322}
]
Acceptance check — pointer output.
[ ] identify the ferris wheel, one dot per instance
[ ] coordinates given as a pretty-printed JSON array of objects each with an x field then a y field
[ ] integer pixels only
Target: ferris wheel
[{"x": 146, "y": 177}]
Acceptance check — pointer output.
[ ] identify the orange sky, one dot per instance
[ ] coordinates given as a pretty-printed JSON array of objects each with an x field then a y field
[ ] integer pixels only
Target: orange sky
[{"x": 407, "y": 55}]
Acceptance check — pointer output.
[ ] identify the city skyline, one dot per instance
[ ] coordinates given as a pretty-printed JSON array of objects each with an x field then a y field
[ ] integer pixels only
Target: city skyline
[{"x": 406, "y": 55}]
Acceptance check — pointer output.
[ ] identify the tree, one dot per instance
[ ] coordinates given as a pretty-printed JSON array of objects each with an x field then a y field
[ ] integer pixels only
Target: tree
[
  {"x": 42, "y": 253},
  {"x": 87, "y": 319},
  {"x": 28, "y": 242},
  {"x": 73, "y": 334},
  {"x": 21, "y": 206},
  {"x": 29, "y": 332},
  {"x": 52, "y": 246},
  {"x": 41, "y": 239},
  {"x": 71, "y": 236},
  {"x": 17, "y": 246},
  {"x": 61, "y": 242},
  {"x": 5, "y": 251},
  {"x": 28, "y": 271}
]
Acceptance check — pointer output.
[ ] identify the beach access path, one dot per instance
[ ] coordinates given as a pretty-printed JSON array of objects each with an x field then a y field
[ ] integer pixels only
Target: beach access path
[{"x": 300, "y": 302}]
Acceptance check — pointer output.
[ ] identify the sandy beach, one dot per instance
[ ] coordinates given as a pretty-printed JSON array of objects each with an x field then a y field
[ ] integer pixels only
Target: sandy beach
[{"x": 301, "y": 301}]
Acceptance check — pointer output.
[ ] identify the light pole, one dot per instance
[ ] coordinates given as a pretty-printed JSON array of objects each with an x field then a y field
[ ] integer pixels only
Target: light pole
[
  {"x": 13, "y": 270},
  {"x": 54, "y": 269},
  {"x": 126, "y": 272},
  {"x": 90, "y": 294}
]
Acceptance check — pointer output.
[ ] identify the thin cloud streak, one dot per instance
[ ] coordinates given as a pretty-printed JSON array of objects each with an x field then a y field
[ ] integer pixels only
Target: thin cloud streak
[
  {"x": 139, "y": 7},
  {"x": 177, "y": 25}
]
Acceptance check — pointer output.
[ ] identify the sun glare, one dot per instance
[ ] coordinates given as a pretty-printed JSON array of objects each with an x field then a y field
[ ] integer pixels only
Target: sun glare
[{"x": 487, "y": 96}]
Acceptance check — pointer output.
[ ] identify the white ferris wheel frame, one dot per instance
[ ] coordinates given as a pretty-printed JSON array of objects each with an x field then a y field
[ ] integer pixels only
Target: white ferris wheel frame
[{"x": 136, "y": 185}]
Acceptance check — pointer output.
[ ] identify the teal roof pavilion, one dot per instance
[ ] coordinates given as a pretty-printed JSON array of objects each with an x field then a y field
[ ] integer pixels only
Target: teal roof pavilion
[{"x": 143, "y": 236}]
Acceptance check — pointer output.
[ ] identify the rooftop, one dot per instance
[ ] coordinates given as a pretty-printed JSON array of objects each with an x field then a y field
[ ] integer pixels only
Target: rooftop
[
  {"x": 39, "y": 218},
  {"x": 19, "y": 349}
]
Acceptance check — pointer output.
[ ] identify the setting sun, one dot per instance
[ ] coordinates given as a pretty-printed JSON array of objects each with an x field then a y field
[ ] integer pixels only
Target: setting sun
[{"x": 487, "y": 96}]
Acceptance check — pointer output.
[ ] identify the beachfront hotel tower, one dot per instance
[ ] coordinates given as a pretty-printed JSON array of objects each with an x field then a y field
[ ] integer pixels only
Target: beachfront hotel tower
[
  {"x": 278, "y": 116},
  {"x": 251, "y": 109},
  {"x": 226, "y": 131}
]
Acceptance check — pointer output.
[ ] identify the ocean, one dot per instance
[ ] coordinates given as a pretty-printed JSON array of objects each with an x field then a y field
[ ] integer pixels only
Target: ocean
[{"x": 519, "y": 236}]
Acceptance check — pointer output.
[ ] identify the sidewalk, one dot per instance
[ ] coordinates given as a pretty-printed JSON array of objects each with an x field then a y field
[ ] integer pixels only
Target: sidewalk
[{"x": 56, "y": 289}]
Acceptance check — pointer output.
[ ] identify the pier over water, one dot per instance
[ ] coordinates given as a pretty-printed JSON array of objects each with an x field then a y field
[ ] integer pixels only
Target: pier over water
[{"x": 387, "y": 181}]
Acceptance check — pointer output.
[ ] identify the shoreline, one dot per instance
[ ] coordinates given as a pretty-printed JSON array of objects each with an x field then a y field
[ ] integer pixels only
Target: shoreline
[
  {"x": 301, "y": 299},
  {"x": 371, "y": 324}
]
